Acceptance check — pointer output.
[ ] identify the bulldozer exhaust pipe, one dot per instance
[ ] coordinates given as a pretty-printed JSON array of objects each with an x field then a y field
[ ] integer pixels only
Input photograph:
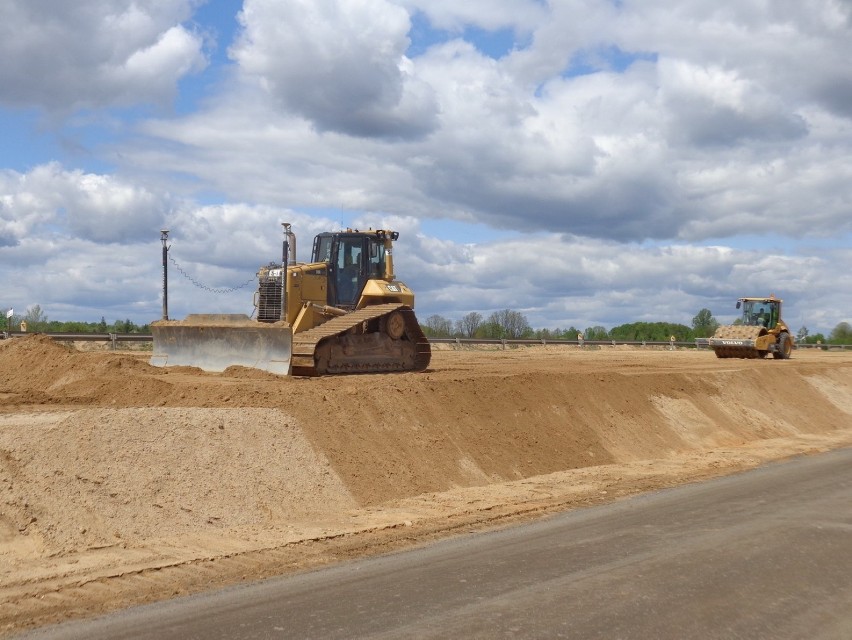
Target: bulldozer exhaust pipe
[{"x": 164, "y": 237}]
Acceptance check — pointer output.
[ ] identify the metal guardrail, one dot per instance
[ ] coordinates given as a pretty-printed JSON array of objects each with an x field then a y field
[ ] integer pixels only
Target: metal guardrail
[
  {"x": 698, "y": 343},
  {"x": 112, "y": 338},
  {"x": 824, "y": 347}
]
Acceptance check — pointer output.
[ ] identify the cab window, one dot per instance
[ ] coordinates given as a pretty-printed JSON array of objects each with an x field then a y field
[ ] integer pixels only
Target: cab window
[{"x": 377, "y": 258}]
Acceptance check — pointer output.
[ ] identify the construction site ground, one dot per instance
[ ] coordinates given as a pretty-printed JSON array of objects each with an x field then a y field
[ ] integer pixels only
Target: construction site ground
[{"x": 123, "y": 483}]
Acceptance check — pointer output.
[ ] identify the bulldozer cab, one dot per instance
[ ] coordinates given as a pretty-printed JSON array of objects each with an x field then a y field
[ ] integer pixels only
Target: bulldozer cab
[
  {"x": 352, "y": 258},
  {"x": 760, "y": 312}
]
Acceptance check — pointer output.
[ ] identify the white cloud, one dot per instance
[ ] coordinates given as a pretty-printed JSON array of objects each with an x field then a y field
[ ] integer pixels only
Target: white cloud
[
  {"x": 613, "y": 135},
  {"x": 701, "y": 143},
  {"x": 518, "y": 15},
  {"x": 556, "y": 281},
  {"x": 94, "y": 53},
  {"x": 563, "y": 281},
  {"x": 53, "y": 202},
  {"x": 712, "y": 106},
  {"x": 339, "y": 64}
]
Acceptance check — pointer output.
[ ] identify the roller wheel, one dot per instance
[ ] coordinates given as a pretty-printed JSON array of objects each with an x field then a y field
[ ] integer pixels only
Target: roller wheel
[{"x": 785, "y": 347}]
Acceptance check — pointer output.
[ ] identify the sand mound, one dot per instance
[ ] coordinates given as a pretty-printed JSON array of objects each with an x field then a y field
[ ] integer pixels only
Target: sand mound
[
  {"x": 37, "y": 369},
  {"x": 95, "y": 477}
]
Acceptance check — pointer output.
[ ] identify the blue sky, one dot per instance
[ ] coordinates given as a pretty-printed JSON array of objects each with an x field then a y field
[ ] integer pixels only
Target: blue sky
[{"x": 583, "y": 162}]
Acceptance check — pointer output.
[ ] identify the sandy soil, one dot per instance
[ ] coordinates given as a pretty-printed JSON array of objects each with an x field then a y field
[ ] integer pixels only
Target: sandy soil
[{"x": 122, "y": 483}]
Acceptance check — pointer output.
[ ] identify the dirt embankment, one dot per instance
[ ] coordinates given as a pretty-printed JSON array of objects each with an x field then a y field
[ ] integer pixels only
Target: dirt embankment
[{"x": 122, "y": 483}]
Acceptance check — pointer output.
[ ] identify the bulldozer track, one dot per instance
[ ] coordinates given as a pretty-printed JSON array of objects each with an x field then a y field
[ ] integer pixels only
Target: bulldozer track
[{"x": 306, "y": 344}]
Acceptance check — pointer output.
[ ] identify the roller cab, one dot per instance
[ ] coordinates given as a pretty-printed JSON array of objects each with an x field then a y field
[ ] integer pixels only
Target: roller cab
[{"x": 758, "y": 332}]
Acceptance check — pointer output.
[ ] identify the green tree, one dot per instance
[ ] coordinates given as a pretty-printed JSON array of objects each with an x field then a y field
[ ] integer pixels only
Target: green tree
[
  {"x": 35, "y": 319},
  {"x": 546, "y": 334},
  {"x": 841, "y": 334},
  {"x": 802, "y": 334},
  {"x": 570, "y": 333},
  {"x": 55, "y": 326},
  {"x": 469, "y": 324},
  {"x": 490, "y": 331},
  {"x": 436, "y": 326},
  {"x": 704, "y": 324},
  {"x": 652, "y": 332},
  {"x": 512, "y": 324},
  {"x": 596, "y": 333},
  {"x": 124, "y": 326}
]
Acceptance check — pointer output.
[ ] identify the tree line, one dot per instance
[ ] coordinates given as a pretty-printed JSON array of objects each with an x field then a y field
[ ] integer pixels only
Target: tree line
[
  {"x": 37, "y": 321},
  {"x": 841, "y": 334},
  {"x": 508, "y": 324}
]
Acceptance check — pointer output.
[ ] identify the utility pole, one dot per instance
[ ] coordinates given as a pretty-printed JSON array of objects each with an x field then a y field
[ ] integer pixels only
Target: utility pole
[{"x": 164, "y": 237}]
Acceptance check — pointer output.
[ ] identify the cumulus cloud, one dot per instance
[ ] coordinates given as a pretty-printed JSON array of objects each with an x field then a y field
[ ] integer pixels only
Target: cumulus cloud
[
  {"x": 610, "y": 143},
  {"x": 52, "y": 201},
  {"x": 560, "y": 281},
  {"x": 340, "y": 64},
  {"x": 94, "y": 53},
  {"x": 710, "y": 106},
  {"x": 686, "y": 129},
  {"x": 518, "y": 15}
]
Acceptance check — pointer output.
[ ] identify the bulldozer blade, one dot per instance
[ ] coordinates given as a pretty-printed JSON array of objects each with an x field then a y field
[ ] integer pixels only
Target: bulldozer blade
[{"x": 214, "y": 342}]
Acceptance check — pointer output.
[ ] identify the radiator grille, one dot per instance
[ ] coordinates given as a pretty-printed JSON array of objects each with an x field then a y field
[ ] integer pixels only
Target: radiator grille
[{"x": 270, "y": 296}]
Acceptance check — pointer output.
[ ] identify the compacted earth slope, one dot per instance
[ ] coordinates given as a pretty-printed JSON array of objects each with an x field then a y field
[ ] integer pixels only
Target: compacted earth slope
[{"x": 122, "y": 483}]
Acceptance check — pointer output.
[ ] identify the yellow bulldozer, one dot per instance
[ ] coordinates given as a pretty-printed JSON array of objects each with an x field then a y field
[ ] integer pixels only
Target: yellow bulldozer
[
  {"x": 759, "y": 331},
  {"x": 342, "y": 312}
]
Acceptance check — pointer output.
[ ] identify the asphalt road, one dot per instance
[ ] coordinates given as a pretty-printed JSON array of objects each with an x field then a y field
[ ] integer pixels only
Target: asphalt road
[{"x": 763, "y": 554}]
